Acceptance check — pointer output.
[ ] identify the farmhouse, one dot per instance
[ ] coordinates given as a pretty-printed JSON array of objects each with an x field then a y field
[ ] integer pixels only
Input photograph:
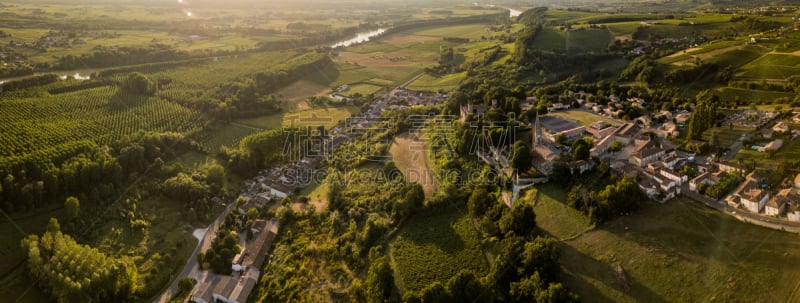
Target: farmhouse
[
  {"x": 646, "y": 153},
  {"x": 228, "y": 289},
  {"x": 753, "y": 197},
  {"x": 730, "y": 167},
  {"x": 772, "y": 145},
  {"x": 777, "y": 205}
]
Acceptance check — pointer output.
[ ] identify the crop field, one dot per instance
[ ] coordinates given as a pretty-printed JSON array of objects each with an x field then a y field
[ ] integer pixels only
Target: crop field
[
  {"x": 749, "y": 96},
  {"x": 103, "y": 114},
  {"x": 675, "y": 252},
  {"x": 327, "y": 116},
  {"x": 469, "y": 31},
  {"x": 550, "y": 39},
  {"x": 588, "y": 40},
  {"x": 362, "y": 88},
  {"x": 410, "y": 156},
  {"x": 772, "y": 66},
  {"x": 585, "y": 118},
  {"x": 433, "y": 83},
  {"x": 297, "y": 93},
  {"x": 214, "y": 137},
  {"x": 435, "y": 247}
]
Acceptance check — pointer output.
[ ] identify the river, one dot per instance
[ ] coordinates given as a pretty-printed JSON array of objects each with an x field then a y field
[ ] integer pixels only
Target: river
[{"x": 359, "y": 38}]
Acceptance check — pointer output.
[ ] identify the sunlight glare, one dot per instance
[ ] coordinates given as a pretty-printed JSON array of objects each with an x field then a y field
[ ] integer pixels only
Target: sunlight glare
[{"x": 188, "y": 14}]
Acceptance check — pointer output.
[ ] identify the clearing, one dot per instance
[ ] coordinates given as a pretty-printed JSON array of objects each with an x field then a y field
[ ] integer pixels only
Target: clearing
[
  {"x": 296, "y": 93},
  {"x": 584, "y": 118},
  {"x": 409, "y": 155}
]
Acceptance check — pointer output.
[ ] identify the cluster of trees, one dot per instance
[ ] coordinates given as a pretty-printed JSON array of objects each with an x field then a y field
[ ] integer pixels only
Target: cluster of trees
[
  {"x": 34, "y": 81},
  {"x": 71, "y": 272},
  {"x": 793, "y": 85},
  {"x": 84, "y": 170},
  {"x": 219, "y": 256},
  {"x": 621, "y": 197},
  {"x": 139, "y": 83},
  {"x": 580, "y": 148},
  {"x": 721, "y": 188},
  {"x": 106, "y": 57},
  {"x": 641, "y": 69},
  {"x": 704, "y": 116},
  {"x": 265, "y": 149}
]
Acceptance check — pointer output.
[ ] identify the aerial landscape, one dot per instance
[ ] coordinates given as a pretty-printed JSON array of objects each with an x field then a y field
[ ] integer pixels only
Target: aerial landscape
[{"x": 399, "y": 151}]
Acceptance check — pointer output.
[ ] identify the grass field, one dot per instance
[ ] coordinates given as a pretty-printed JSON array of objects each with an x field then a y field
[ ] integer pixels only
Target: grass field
[
  {"x": 15, "y": 285},
  {"x": 584, "y": 117},
  {"x": 588, "y": 40},
  {"x": 772, "y": 66},
  {"x": 550, "y": 39},
  {"x": 748, "y": 96},
  {"x": 228, "y": 135},
  {"x": 409, "y": 154},
  {"x": 362, "y": 88},
  {"x": 469, "y": 31},
  {"x": 297, "y": 93},
  {"x": 558, "y": 219},
  {"x": 433, "y": 83},
  {"x": 327, "y": 116},
  {"x": 435, "y": 247},
  {"x": 676, "y": 252},
  {"x": 726, "y": 135}
]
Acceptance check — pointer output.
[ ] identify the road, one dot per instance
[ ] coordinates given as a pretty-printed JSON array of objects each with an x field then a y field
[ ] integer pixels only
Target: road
[
  {"x": 191, "y": 264},
  {"x": 742, "y": 215}
]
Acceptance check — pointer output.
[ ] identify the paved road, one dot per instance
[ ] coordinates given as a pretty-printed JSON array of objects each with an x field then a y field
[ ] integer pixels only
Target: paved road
[
  {"x": 191, "y": 264},
  {"x": 743, "y": 215}
]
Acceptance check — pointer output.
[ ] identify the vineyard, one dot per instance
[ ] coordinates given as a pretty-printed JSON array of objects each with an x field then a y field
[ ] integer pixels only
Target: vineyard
[
  {"x": 436, "y": 247},
  {"x": 102, "y": 114}
]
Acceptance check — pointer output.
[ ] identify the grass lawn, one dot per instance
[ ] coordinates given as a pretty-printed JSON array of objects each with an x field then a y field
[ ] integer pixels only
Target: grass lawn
[
  {"x": 433, "y": 83},
  {"x": 552, "y": 215},
  {"x": 682, "y": 251},
  {"x": 409, "y": 154},
  {"x": 583, "y": 117},
  {"x": 435, "y": 247},
  {"x": 726, "y": 135}
]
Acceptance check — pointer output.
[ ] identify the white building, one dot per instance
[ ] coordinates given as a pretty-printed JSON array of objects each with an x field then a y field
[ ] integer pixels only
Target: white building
[{"x": 753, "y": 198}]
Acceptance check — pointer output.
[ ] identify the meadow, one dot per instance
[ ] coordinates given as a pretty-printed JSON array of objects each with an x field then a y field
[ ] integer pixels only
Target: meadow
[
  {"x": 435, "y": 247},
  {"x": 676, "y": 252},
  {"x": 410, "y": 156},
  {"x": 584, "y": 117},
  {"x": 748, "y": 96},
  {"x": 326, "y": 116}
]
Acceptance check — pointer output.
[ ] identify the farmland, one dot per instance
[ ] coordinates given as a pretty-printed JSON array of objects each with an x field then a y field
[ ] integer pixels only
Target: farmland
[
  {"x": 664, "y": 248},
  {"x": 409, "y": 155},
  {"x": 434, "y": 248},
  {"x": 327, "y": 116},
  {"x": 772, "y": 66}
]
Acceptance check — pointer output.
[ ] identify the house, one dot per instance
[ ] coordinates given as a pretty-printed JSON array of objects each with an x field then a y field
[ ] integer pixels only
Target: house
[
  {"x": 753, "y": 197},
  {"x": 627, "y": 132},
  {"x": 579, "y": 167},
  {"x": 778, "y": 204},
  {"x": 559, "y": 106},
  {"x": 797, "y": 181},
  {"x": 705, "y": 178},
  {"x": 682, "y": 118},
  {"x": 667, "y": 115},
  {"x": 227, "y": 289},
  {"x": 646, "y": 153},
  {"x": 670, "y": 161},
  {"x": 781, "y": 126},
  {"x": 772, "y": 145},
  {"x": 602, "y": 147},
  {"x": 257, "y": 247},
  {"x": 731, "y": 167},
  {"x": 670, "y": 129},
  {"x": 470, "y": 109},
  {"x": 673, "y": 175}
]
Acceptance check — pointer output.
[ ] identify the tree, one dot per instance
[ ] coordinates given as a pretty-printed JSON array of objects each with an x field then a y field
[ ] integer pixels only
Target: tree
[
  {"x": 139, "y": 83},
  {"x": 466, "y": 287},
  {"x": 520, "y": 219},
  {"x": 72, "y": 206},
  {"x": 380, "y": 282},
  {"x": 521, "y": 158},
  {"x": 186, "y": 284},
  {"x": 479, "y": 201},
  {"x": 615, "y": 146}
]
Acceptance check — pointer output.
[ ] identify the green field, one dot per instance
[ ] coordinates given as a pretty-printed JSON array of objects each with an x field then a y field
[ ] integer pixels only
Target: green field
[
  {"x": 588, "y": 40},
  {"x": 103, "y": 114},
  {"x": 790, "y": 151},
  {"x": 584, "y": 117},
  {"x": 772, "y": 66},
  {"x": 214, "y": 137},
  {"x": 725, "y": 135},
  {"x": 560, "y": 220},
  {"x": 676, "y": 252},
  {"x": 362, "y": 89},
  {"x": 550, "y": 39},
  {"x": 328, "y": 117},
  {"x": 748, "y": 96},
  {"x": 433, "y": 83},
  {"x": 469, "y": 31},
  {"x": 435, "y": 247}
]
